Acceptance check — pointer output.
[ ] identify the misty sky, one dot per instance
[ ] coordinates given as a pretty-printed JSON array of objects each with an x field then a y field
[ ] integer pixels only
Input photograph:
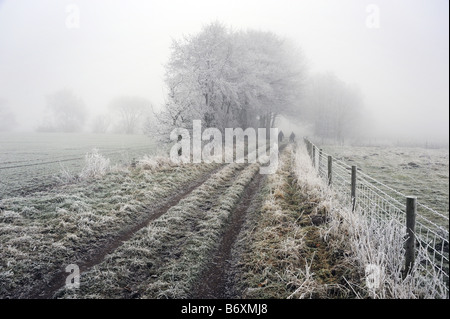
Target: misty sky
[{"x": 120, "y": 48}]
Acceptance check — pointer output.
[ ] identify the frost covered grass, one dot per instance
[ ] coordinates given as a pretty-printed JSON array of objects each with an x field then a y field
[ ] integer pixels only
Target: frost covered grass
[
  {"x": 165, "y": 259},
  {"x": 301, "y": 242},
  {"x": 370, "y": 244},
  {"x": 95, "y": 166},
  {"x": 378, "y": 246},
  {"x": 414, "y": 171},
  {"x": 281, "y": 254},
  {"x": 31, "y": 162},
  {"x": 298, "y": 240},
  {"x": 154, "y": 163},
  {"x": 42, "y": 233}
]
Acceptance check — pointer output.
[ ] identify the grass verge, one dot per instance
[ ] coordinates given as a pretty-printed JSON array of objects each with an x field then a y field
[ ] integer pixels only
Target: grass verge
[{"x": 282, "y": 252}]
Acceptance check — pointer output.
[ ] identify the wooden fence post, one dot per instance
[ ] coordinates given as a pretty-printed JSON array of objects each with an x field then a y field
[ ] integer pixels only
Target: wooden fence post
[
  {"x": 314, "y": 156},
  {"x": 320, "y": 159},
  {"x": 411, "y": 209},
  {"x": 353, "y": 193},
  {"x": 330, "y": 169},
  {"x": 309, "y": 149}
]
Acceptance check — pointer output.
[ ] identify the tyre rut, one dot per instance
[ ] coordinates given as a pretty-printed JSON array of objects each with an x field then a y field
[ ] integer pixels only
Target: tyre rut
[
  {"x": 97, "y": 256},
  {"x": 215, "y": 282}
]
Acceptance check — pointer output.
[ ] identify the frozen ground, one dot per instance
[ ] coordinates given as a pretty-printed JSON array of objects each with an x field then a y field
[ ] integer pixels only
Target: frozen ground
[
  {"x": 416, "y": 171},
  {"x": 154, "y": 229},
  {"x": 31, "y": 162}
]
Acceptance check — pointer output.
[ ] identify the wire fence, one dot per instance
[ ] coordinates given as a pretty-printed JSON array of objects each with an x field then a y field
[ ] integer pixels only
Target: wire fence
[{"x": 377, "y": 200}]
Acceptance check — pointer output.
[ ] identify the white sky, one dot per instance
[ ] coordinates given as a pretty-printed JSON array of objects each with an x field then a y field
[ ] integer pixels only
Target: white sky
[{"x": 120, "y": 48}]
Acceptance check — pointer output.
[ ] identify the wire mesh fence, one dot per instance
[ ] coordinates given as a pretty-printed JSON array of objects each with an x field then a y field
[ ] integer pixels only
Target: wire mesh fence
[{"x": 377, "y": 200}]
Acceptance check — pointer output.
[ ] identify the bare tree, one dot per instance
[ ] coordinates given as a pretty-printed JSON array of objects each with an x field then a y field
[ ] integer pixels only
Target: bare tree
[
  {"x": 65, "y": 113},
  {"x": 131, "y": 111},
  {"x": 7, "y": 117}
]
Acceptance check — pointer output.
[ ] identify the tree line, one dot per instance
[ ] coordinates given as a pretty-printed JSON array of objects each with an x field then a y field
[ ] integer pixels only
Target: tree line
[
  {"x": 68, "y": 113},
  {"x": 229, "y": 78},
  {"x": 225, "y": 78}
]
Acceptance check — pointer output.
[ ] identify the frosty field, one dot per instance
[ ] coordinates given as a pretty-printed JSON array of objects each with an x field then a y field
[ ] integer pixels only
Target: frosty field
[
  {"x": 412, "y": 171},
  {"x": 31, "y": 162},
  {"x": 150, "y": 228}
]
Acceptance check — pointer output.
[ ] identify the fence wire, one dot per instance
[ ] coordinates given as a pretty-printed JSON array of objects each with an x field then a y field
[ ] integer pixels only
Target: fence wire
[{"x": 384, "y": 203}]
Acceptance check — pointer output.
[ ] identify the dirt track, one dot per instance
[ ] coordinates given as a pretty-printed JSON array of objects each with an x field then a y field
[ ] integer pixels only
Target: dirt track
[
  {"x": 96, "y": 257},
  {"x": 214, "y": 282},
  {"x": 213, "y": 279}
]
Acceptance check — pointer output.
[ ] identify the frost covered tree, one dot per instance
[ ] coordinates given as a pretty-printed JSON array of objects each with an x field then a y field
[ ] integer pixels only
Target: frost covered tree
[
  {"x": 7, "y": 117},
  {"x": 272, "y": 73},
  {"x": 226, "y": 79},
  {"x": 65, "y": 113},
  {"x": 131, "y": 112},
  {"x": 199, "y": 77}
]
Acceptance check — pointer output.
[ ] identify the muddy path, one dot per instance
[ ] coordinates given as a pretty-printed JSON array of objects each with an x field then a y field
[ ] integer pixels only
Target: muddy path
[
  {"x": 216, "y": 273},
  {"x": 215, "y": 283},
  {"x": 92, "y": 258}
]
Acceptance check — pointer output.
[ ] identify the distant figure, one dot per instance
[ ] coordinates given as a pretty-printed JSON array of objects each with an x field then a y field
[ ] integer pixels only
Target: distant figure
[
  {"x": 180, "y": 151},
  {"x": 292, "y": 137},
  {"x": 280, "y": 136}
]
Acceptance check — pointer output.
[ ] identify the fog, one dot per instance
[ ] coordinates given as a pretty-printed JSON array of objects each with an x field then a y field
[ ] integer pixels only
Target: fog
[{"x": 396, "y": 52}]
